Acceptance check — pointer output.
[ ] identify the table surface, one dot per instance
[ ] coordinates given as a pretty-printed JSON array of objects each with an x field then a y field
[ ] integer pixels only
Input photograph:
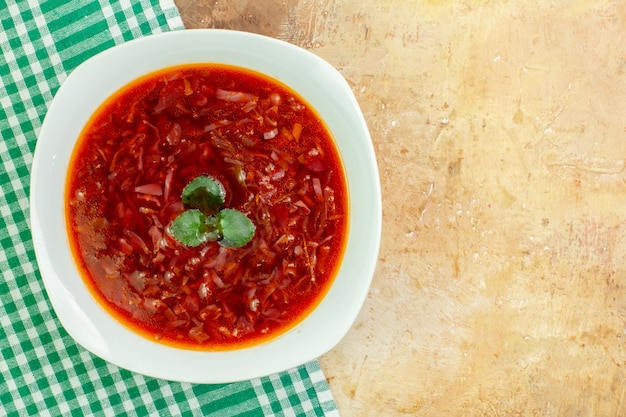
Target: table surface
[{"x": 500, "y": 135}]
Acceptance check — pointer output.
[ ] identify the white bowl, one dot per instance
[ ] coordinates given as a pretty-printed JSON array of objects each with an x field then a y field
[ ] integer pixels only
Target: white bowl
[{"x": 83, "y": 92}]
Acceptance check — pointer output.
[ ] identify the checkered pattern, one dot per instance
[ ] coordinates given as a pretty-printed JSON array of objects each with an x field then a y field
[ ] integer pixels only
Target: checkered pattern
[{"x": 42, "y": 370}]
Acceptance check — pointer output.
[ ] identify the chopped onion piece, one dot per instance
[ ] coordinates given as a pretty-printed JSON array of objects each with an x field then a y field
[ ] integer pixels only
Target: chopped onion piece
[
  {"x": 167, "y": 184},
  {"x": 159, "y": 257},
  {"x": 198, "y": 334},
  {"x": 201, "y": 101},
  {"x": 270, "y": 134},
  {"x": 136, "y": 241},
  {"x": 249, "y": 106},
  {"x": 218, "y": 281},
  {"x": 124, "y": 246},
  {"x": 301, "y": 204},
  {"x": 217, "y": 125},
  {"x": 203, "y": 290},
  {"x": 317, "y": 187},
  {"x": 156, "y": 236},
  {"x": 234, "y": 96},
  {"x": 278, "y": 174},
  {"x": 275, "y": 98},
  {"x": 233, "y": 161},
  {"x": 150, "y": 189},
  {"x": 174, "y": 135}
]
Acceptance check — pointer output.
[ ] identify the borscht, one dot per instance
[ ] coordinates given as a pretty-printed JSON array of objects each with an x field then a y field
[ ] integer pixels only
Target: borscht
[{"x": 276, "y": 166}]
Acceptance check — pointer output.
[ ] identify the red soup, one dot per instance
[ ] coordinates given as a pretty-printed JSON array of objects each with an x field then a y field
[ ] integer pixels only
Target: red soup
[{"x": 278, "y": 165}]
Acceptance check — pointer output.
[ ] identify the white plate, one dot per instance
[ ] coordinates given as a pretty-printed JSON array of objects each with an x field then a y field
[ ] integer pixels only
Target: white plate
[{"x": 81, "y": 94}]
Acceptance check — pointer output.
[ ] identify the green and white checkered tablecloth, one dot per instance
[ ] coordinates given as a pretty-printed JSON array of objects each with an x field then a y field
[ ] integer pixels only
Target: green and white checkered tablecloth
[{"x": 42, "y": 369}]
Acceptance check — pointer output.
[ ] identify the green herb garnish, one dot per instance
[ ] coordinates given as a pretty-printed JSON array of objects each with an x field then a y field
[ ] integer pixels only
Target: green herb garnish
[
  {"x": 193, "y": 228},
  {"x": 236, "y": 228},
  {"x": 206, "y": 220},
  {"x": 205, "y": 194}
]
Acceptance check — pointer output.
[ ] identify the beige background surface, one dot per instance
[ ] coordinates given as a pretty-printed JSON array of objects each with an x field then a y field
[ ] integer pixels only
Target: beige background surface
[{"x": 500, "y": 132}]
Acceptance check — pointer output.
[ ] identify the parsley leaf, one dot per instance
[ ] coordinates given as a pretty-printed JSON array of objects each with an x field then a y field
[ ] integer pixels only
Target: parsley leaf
[
  {"x": 205, "y": 194},
  {"x": 193, "y": 228},
  {"x": 236, "y": 228}
]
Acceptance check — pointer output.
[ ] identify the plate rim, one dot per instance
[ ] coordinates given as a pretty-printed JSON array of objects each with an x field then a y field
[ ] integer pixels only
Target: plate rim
[{"x": 65, "y": 296}]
